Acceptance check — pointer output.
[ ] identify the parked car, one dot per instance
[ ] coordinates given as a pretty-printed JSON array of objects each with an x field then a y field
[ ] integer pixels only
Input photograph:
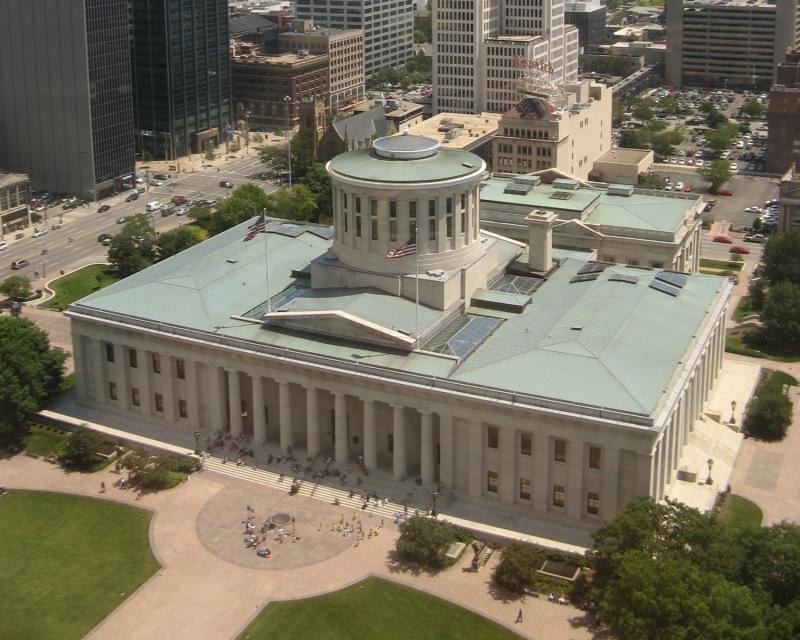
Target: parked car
[
  {"x": 723, "y": 239},
  {"x": 38, "y": 233},
  {"x": 103, "y": 208},
  {"x": 679, "y": 185},
  {"x": 179, "y": 199},
  {"x": 688, "y": 188},
  {"x": 724, "y": 192},
  {"x": 18, "y": 264},
  {"x": 755, "y": 237},
  {"x": 132, "y": 197},
  {"x": 738, "y": 249},
  {"x": 225, "y": 184},
  {"x": 122, "y": 220},
  {"x": 182, "y": 211},
  {"x": 3, "y": 245},
  {"x": 103, "y": 237},
  {"x": 733, "y": 166}
]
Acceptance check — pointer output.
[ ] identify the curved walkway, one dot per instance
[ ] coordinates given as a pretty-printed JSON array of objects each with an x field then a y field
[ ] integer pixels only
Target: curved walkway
[{"x": 198, "y": 595}]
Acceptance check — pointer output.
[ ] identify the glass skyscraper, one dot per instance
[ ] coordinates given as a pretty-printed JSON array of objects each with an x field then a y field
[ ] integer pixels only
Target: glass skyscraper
[{"x": 182, "y": 76}]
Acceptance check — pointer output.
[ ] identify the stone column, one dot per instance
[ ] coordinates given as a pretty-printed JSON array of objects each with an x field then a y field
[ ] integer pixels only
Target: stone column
[
  {"x": 370, "y": 445},
  {"x": 446, "y": 477},
  {"x": 475, "y": 459},
  {"x": 340, "y": 416},
  {"x": 541, "y": 480},
  {"x": 285, "y": 415},
  {"x": 146, "y": 395},
  {"x": 575, "y": 464},
  {"x": 192, "y": 399},
  {"x": 216, "y": 382},
  {"x": 97, "y": 358},
  {"x": 81, "y": 388},
  {"x": 312, "y": 422},
  {"x": 259, "y": 415},
  {"x": 234, "y": 403},
  {"x": 508, "y": 471},
  {"x": 609, "y": 497},
  {"x": 168, "y": 391},
  {"x": 399, "y": 430},
  {"x": 426, "y": 447},
  {"x": 122, "y": 376}
]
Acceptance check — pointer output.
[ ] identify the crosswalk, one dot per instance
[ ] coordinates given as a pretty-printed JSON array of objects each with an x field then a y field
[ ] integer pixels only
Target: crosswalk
[{"x": 386, "y": 507}]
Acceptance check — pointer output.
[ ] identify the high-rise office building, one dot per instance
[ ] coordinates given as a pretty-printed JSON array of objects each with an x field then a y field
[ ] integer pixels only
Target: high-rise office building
[
  {"x": 730, "y": 43},
  {"x": 66, "y": 105},
  {"x": 483, "y": 48},
  {"x": 182, "y": 76},
  {"x": 783, "y": 116},
  {"x": 388, "y": 27},
  {"x": 589, "y": 18}
]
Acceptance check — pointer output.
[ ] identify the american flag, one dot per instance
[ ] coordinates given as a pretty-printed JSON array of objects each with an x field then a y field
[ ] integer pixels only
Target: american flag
[
  {"x": 407, "y": 249},
  {"x": 259, "y": 226}
]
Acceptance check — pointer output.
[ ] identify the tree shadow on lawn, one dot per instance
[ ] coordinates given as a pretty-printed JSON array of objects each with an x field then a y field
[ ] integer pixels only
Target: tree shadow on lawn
[{"x": 396, "y": 564}]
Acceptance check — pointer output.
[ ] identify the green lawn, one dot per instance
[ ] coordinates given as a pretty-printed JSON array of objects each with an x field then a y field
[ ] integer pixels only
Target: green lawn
[
  {"x": 43, "y": 443},
  {"x": 721, "y": 264},
  {"x": 67, "y": 562},
  {"x": 373, "y": 608},
  {"x": 744, "y": 309},
  {"x": 740, "y": 512},
  {"x": 79, "y": 284}
]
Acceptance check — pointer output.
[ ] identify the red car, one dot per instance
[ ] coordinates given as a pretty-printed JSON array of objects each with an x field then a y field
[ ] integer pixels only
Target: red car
[
  {"x": 688, "y": 188},
  {"x": 179, "y": 199},
  {"x": 724, "y": 192},
  {"x": 737, "y": 249},
  {"x": 723, "y": 239}
]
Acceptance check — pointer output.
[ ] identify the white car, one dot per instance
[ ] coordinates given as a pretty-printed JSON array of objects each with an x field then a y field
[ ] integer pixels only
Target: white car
[
  {"x": 679, "y": 186},
  {"x": 733, "y": 166},
  {"x": 699, "y": 163},
  {"x": 3, "y": 245},
  {"x": 38, "y": 233},
  {"x": 182, "y": 211},
  {"x": 668, "y": 187}
]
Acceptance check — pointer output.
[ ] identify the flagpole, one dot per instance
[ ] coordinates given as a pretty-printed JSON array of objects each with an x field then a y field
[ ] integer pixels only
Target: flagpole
[
  {"x": 266, "y": 258},
  {"x": 416, "y": 281}
]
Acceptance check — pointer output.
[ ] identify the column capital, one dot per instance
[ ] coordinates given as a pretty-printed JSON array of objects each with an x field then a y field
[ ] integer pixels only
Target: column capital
[{"x": 425, "y": 412}]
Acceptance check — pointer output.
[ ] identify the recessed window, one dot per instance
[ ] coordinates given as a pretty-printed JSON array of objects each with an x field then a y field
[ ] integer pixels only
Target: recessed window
[
  {"x": 373, "y": 218},
  {"x": 525, "y": 444},
  {"x": 412, "y": 219},
  {"x": 463, "y": 200},
  {"x": 159, "y": 403},
  {"x": 491, "y": 481},
  {"x": 135, "y": 397},
  {"x": 558, "y": 495},
  {"x": 449, "y": 205},
  {"x": 393, "y": 221},
  {"x": 524, "y": 488},
  {"x": 156, "y": 358},
  {"x": 358, "y": 204},
  {"x": 493, "y": 437},
  {"x": 560, "y": 451},
  {"x": 358, "y": 226},
  {"x": 183, "y": 410},
  {"x": 390, "y": 442},
  {"x": 180, "y": 368},
  {"x": 593, "y": 503},
  {"x": 133, "y": 359},
  {"x": 112, "y": 390},
  {"x": 109, "y": 352},
  {"x": 595, "y": 457}
]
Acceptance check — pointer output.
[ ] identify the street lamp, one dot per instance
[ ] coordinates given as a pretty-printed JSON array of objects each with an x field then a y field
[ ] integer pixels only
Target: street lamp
[
  {"x": 287, "y": 101},
  {"x": 710, "y": 463},
  {"x": 733, "y": 409},
  {"x": 197, "y": 442},
  {"x": 434, "y": 495}
]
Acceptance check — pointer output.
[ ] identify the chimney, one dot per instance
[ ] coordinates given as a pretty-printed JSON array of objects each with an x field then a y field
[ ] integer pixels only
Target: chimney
[{"x": 540, "y": 240}]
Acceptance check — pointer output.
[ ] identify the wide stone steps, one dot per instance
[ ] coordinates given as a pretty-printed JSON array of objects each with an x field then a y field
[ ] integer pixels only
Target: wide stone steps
[{"x": 308, "y": 488}]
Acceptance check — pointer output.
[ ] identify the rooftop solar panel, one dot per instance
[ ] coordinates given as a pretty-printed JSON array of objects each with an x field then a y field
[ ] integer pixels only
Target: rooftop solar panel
[
  {"x": 675, "y": 279},
  {"x": 619, "y": 277},
  {"x": 592, "y": 267},
  {"x": 584, "y": 277},
  {"x": 663, "y": 287}
]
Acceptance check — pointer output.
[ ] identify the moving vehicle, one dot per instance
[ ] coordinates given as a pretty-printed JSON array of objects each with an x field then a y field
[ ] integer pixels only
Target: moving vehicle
[
  {"x": 755, "y": 237},
  {"x": 724, "y": 192},
  {"x": 155, "y": 205},
  {"x": 3, "y": 245},
  {"x": 103, "y": 237},
  {"x": 104, "y": 208},
  {"x": 179, "y": 199},
  {"x": 122, "y": 220},
  {"x": 38, "y": 233},
  {"x": 738, "y": 249},
  {"x": 723, "y": 239},
  {"x": 226, "y": 184},
  {"x": 132, "y": 197},
  {"x": 18, "y": 264}
]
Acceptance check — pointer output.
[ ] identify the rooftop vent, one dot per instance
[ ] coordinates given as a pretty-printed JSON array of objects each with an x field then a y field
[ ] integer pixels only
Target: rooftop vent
[
  {"x": 518, "y": 189},
  {"x": 624, "y": 190},
  {"x": 565, "y": 183},
  {"x": 560, "y": 195},
  {"x": 534, "y": 180}
]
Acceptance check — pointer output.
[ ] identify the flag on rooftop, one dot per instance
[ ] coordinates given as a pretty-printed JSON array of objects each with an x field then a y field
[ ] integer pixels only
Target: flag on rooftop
[
  {"x": 407, "y": 249},
  {"x": 259, "y": 226}
]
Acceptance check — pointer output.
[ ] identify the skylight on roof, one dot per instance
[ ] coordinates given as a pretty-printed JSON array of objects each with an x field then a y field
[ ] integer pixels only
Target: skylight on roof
[
  {"x": 518, "y": 188},
  {"x": 620, "y": 277},
  {"x": 673, "y": 278},
  {"x": 663, "y": 287},
  {"x": 584, "y": 277},
  {"x": 592, "y": 267},
  {"x": 560, "y": 195},
  {"x": 463, "y": 335}
]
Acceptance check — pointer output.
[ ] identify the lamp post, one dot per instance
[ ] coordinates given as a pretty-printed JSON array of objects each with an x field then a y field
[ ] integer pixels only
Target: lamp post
[
  {"x": 287, "y": 101},
  {"x": 197, "y": 442},
  {"x": 733, "y": 410},
  {"x": 434, "y": 495},
  {"x": 710, "y": 463}
]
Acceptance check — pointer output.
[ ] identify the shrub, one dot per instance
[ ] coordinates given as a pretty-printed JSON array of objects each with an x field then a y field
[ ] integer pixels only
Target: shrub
[
  {"x": 425, "y": 540},
  {"x": 770, "y": 412},
  {"x": 154, "y": 473},
  {"x": 80, "y": 450},
  {"x": 516, "y": 571}
]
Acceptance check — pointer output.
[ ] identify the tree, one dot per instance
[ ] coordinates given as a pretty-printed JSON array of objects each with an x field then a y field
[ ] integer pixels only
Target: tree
[
  {"x": 244, "y": 202},
  {"x": 617, "y": 112},
  {"x": 781, "y": 316},
  {"x": 201, "y": 217},
  {"x": 30, "y": 372},
  {"x": 17, "y": 288},
  {"x": 720, "y": 138},
  {"x": 782, "y": 258},
  {"x": 80, "y": 450},
  {"x": 753, "y": 109},
  {"x": 425, "y": 541},
  {"x": 133, "y": 248},
  {"x": 150, "y": 473},
  {"x": 176, "y": 240},
  {"x": 422, "y": 29},
  {"x": 516, "y": 570},
  {"x": 669, "y": 105},
  {"x": 643, "y": 111},
  {"x": 714, "y": 118},
  {"x": 318, "y": 183},
  {"x": 716, "y": 173},
  {"x": 275, "y": 157},
  {"x": 297, "y": 204},
  {"x": 210, "y": 155},
  {"x": 634, "y": 139},
  {"x": 384, "y": 75},
  {"x": 302, "y": 153},
  {"x": 773, "y": 561},
  {"x": 651, "y": 182}
]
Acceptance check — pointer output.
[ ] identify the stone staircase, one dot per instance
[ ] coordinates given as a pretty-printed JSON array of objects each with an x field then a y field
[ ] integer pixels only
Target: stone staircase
[{"x": 392, "y": 491}]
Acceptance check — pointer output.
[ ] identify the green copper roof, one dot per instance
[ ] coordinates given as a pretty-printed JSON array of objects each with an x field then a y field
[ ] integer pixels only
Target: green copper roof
[{"x": 446, "y": 164}]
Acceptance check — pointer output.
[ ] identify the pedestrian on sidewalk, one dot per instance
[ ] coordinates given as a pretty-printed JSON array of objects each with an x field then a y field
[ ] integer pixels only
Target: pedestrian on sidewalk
[
  {"x": 102, "y": 487},
  {"x": 519, "y": 616}
]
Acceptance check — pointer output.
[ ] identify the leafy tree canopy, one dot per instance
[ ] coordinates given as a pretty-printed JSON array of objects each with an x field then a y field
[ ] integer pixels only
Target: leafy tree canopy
[
  {"x": 16, "y": 288},
  {"x": 425, "y": 540},
  {"x": 782, "y": 258},
  {"x": 80, "y": 450},
  {"x": 781, "y": 316},
  {"x": 176, "y": 240},
  {"x": 318, "y": 182},
  {"x": 716, "y": 173},
  {"x": 132, "y": 249},
  {"x": 30, "y": 372}
]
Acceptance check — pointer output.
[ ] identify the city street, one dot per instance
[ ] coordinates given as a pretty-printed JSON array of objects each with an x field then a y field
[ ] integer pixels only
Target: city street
[{"x": 54, "y": 252}]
